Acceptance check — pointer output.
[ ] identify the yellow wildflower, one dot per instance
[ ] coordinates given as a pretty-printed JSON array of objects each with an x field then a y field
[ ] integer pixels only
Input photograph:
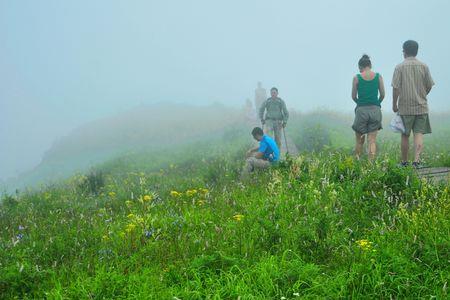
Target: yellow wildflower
[
  {"x": 147, "y": 198},
  {"x": 365, "y": 245},
  {"x": 204, "y": 191},
  {"x": 130, "y": 227},
  {"x": 130, "y": 216},
  {"x": 112, "y": 194},
  {"x": 201, "y": 202},
  {"x": 238, "y": 217},
  {"x": 175, "y": 194},
  {"x": 191, "y": 193}
]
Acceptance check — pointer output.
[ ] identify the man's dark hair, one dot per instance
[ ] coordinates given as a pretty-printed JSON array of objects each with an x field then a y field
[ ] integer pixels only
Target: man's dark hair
[
  {"x": 274, "y": 89},
  {"x": 410, "y": 48},
  {"x": 364, "y": 61},
  {"x": 257, "y": 131}
]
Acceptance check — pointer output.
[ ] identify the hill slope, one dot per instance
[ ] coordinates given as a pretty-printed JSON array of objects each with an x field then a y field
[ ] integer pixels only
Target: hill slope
[
  {"x": 155, "y": 127},
  {"x": 183, "y": 225}
]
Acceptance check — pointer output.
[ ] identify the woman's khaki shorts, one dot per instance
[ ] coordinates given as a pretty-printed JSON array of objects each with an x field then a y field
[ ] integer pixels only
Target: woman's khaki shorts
[
  {"x": 418, "y": 124},
  {"x": 367, "y": 119}
]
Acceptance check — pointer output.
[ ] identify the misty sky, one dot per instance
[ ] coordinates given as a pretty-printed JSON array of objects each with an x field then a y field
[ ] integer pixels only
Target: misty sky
[{"x": 64, "y": 63}]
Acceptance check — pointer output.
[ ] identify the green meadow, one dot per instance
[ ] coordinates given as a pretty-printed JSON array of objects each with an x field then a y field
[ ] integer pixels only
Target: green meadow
[{"x": 179, "y": 224}]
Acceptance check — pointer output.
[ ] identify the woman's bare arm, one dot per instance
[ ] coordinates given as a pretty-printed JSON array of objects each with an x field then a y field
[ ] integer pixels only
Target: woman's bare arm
[
  {"x": 381, "y": 88},
  {"x": 355, "y": 89}
]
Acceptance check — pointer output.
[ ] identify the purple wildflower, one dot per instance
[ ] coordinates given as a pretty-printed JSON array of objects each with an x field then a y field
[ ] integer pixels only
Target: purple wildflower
[{"x": 149, "y": 233}]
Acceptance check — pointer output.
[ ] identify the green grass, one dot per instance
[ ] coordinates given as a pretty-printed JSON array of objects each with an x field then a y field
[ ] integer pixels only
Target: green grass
[{"x": 319, "y": 226}]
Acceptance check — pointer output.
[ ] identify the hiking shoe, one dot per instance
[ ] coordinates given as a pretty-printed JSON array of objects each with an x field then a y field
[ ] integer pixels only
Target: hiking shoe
[
  {"x": 416, "y": 165},
  {"x": 403, "y": 164}
]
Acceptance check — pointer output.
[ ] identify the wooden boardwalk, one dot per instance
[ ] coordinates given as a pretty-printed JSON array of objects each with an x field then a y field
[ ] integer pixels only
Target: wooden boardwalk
[{"x": 435, "y": 174}]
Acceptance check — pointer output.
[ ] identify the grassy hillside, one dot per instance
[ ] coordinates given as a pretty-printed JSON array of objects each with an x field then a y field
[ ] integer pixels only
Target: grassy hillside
[
  {"x": 146, "y": 128},
  {"x": 179, "y": 223}
]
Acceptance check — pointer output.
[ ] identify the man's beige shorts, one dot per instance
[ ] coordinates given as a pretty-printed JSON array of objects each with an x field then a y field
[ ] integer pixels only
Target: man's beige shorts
[
  {"x": 254, "y": 163},
  {"x": 418, "y": 124}
]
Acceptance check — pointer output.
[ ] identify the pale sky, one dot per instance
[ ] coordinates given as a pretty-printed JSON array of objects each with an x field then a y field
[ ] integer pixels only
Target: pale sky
[{"x": 64, "y": 63}]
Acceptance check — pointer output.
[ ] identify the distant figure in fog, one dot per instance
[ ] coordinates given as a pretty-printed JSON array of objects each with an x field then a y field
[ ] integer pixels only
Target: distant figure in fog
[
  {"x": 260, "y": 96},
  {"x": 274, "y": 115},
  {"x": 368, "y": 92},
  {"x": 263, "y": 156},
  {"x": 250, "y": 112},
  {"x": 411, "y": 85}
]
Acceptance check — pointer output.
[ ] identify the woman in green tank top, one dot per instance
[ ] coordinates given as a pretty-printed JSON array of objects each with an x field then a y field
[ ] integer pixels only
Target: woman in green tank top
[{"x": 367, "y": 92}]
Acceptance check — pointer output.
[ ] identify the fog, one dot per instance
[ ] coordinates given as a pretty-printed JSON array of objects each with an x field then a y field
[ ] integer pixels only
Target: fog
[{"x": 63, "y": 64}]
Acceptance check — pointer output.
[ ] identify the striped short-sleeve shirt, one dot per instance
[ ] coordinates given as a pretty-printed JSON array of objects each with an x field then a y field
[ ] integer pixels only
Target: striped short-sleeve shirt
[{"x": 413, "y": 80}]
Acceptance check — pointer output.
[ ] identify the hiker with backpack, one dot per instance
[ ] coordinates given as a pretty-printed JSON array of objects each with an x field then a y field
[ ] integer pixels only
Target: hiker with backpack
[{"x": 274, "y": 115}]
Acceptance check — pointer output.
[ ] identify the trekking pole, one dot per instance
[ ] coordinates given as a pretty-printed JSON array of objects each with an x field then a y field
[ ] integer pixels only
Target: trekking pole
[{"x": 287, "y": 148}]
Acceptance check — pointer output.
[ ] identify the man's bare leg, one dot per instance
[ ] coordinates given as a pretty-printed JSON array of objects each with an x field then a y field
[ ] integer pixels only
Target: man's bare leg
[
  {"x": 405, "y": 147},
  {"x": 418, "y": 146},
  {"x": 371, "y": 140},
  {"x": 359, "y": 144}
]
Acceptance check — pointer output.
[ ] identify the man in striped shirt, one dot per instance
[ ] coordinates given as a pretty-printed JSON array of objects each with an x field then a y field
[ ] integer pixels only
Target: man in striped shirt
[{"x": 411, "y": 84}]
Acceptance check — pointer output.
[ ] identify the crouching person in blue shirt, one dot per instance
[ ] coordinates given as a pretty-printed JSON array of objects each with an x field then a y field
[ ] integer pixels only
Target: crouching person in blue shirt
[{"x": 263, "y": 156}]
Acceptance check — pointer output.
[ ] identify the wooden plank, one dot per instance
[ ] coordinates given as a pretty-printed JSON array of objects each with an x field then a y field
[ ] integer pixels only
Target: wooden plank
[
  {"x": 435, "y": 175},
  {"x": 432, "y": 170}
]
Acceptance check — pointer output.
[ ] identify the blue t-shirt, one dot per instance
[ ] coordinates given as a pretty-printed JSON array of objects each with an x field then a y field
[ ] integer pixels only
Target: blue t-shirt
[{"x": 269, "y": 148}]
